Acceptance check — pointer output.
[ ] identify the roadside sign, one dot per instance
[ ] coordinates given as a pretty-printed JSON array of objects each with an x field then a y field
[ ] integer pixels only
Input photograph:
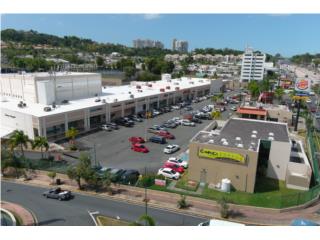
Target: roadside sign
[{"x": 302, "y": 87}]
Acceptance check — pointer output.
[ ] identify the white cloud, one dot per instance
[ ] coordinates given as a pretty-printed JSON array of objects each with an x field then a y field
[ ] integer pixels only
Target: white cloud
[
  {"x": 279, "y": 14},
  {"x": 151, "y": 16}
]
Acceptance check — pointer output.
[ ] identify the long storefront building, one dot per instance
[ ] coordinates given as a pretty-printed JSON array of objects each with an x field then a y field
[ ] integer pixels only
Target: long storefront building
[{"x": 48, "y": 104}]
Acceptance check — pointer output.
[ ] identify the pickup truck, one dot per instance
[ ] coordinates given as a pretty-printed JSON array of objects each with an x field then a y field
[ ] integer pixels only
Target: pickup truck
[{"x": 58, "y": 193}]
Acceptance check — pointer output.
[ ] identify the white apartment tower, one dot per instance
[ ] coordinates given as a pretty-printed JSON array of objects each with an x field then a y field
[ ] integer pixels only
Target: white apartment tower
[
  {"x": 180, "y": 45},
  {"x": 252, "y": 68}
]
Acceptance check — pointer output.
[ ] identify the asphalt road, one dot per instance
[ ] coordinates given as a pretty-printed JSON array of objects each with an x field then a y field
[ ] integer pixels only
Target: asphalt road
[
  {"x": 112, "y": 149},
  {"x": 75, "y": 212}
]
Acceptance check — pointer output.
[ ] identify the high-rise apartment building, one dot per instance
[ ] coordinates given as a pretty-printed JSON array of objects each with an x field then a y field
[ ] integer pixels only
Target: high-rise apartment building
[
  {"x": 252, "y": 68},
  {"x": 180, "y": 45},
  {"x": 144, "y": 43}
]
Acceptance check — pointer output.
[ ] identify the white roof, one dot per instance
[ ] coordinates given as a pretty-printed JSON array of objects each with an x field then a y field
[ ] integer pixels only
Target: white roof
[
  {"x": 47, "y": 74},
  {"x": 109, "y": 94}
]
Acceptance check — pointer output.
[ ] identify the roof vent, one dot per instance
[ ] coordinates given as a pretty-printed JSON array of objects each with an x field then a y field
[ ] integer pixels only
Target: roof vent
[
  {"x": 253, "y": 136},
  {"x": 271, "y": 134},
  {"x": 223, "y": 140},
  {"x": 238, "y": 138},
  {"x": 225, "y": 143},
  {"x": 254, "y": 132},
  {"x": 115, "y": 100},
  {"x": 211, "y": 141},
  {"x": 271, "y": 138},
  {"x": 240, "y": 145}
]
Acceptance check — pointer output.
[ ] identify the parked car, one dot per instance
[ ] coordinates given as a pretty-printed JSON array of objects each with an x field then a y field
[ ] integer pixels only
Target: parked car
[
  {"x": 130, "y": 177},
  {"x": 172, "y": 148},
  {"x": 115, "y": 174},
  {"x": 169, "y": 173},
  {"x": 233, "y": 108},
  {"x": 180, "y": 162},
  {"x": 174, "y": 167},
  {"x": 196, "y": 120},
  {"x": 106, "y": 127},
  {"x": 135, "y": 118},
  {"x": 216, "y": 222},
  {"x": 317, "y": 115},
  {"x": 176, "y": 107},
  {"x": 57, "y": 193},
  {"x": 112, "y": 125},
  {"x": 186, "y": 122},
  {"x": 136, "y": 140},
  {"x": 155, "y": 113},
  {"x": 160, "y": 128},
  {"x": 153, "y": 130},
  {"x": 128, "y": 120},
  {"x": 165, "y": 134},
  {"x": 157, "y": 139},
  {"x": 137, "y": 147},
  {"x": 169, "y": 124},
  {"x": 188, "y": 108},
  {"x": 123, "y": 122}
]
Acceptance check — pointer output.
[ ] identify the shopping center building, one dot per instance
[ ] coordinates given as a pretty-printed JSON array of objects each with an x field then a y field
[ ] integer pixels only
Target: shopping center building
[
  {"x": 245, "y": 149},
  {"x": 48, "y": 104}
]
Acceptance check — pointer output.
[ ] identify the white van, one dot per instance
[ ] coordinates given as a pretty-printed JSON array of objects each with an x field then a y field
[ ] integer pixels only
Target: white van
[{"x": 215, "y": 222}]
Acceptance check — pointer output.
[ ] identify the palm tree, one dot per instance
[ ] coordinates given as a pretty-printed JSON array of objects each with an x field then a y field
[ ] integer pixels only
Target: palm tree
[
  {"x": 18, "y": 138},
  {"x": 149, "y": 221},
  {"x": 71, "y": 133},
  {"x": 279, "y": 93},
  {"x": 41, "y": 142}
]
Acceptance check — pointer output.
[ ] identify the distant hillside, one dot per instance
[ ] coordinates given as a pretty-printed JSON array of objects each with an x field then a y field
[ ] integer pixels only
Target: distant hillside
[{"x": 306, "y": 58}]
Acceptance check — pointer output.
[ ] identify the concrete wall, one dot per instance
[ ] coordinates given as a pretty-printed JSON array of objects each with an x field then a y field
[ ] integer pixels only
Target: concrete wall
[
  {"x": 278, "y": 160},
  {"x": 281, "y": 114},
  {"x": 71, "y": 87},
  {"x": 242, "y": 176},
  {"x": 216, "y": 86},
  {"x": 18, "y": 86},
  {"x": 16, "y": 120}
]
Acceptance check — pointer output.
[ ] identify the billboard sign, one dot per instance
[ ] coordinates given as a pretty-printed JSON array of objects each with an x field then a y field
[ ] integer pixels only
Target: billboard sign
[
  {"x": 215, "y": 154},
  {"x": 302, "y": 86}
]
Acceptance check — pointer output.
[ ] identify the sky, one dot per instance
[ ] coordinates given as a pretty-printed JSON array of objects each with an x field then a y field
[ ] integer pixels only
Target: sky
[{"x": 287, "y": 34}]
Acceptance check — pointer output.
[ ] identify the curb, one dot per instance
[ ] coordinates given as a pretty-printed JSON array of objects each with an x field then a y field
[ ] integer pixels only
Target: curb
[
  {"x": 13, "y": 219},
  {"x": 35, "y": 220},
  {"x": 141, "y": 203}
]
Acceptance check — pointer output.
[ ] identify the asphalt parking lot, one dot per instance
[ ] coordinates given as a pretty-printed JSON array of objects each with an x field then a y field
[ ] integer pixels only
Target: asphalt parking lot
[{"x": 112, "y": 149}]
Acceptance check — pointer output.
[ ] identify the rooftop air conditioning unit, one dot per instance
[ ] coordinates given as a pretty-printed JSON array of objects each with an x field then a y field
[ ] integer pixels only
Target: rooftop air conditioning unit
[
  {"x": 131, "y": 96},
  {"x": 211, "y": 141},
  {"x": 167, "y": 87},
  {"x": 225, "y": 143},
  {"x": 149, "y": 85},
  {"x": 47, "y": 109},
  {"x": 270, "y": 138},
  {"x": 271, "y": 134},
  {"x": 177, "y": 88},
  {"x": 238, "y": 138},
  {"x": 115, "y": 100},
  {"x": 240, "y": 145},
  {"x": 254, "y": 132},
  {"x": 103, "y": 100},
  {"x": 253, "y": 136},
  {"x": 162, "y": 90},
  {"x": 138, "y": 87}
]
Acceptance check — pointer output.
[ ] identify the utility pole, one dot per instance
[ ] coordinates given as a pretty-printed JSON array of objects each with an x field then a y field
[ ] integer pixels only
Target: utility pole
[
  {"x": 297, "y": 118},
  {"x": 145, "y": 195}
]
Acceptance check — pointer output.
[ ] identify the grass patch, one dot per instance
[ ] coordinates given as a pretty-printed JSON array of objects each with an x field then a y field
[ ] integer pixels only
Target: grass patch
[
  {"x": 107, "y": 221},
  {"x": 269, "y": 193},
  {"x": 183, "y": 184}
]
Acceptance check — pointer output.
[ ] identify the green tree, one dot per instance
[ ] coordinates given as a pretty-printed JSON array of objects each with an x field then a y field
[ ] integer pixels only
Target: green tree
[
  {"x": 99, "y": 61},
  {"x": 129, "y": 71},
  {"x": 52, "y": 175},
  {"x": 224, "y": 208},
  {"x": 41, "y": 142},
  {"x": 182, "y": 202},
  {"x": 71, "y": 133},
  {"x": 215, "y": 114},
  {"x": 254, "y": 89},
  {"x": 18, "y": 138},
  {"x": 144, "y": 220},
  {"x": 279, "y": 92},
  {"x": 82, "y": 170}
]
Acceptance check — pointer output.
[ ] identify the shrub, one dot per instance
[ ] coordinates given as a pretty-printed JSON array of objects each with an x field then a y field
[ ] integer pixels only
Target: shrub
[
  {"x": 147, "y": 180},
  {"x": 224, "y": 208},
  {"x": 182, "y": 203},
  {"x": 52, "y": 175}
]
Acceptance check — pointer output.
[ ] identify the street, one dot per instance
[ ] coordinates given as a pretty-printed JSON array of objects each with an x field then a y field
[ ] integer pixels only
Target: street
[{"x": 75, "y": 211}]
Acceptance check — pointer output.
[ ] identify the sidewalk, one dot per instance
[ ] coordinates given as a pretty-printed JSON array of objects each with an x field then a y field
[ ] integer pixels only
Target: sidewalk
[
  {"x": 24, "y": 214},
  {"x": 198, "y": 206}
]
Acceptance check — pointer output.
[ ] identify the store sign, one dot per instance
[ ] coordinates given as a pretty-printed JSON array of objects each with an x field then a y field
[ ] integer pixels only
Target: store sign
[
  {"x": 160, "y": 182},
  {"x": 214, "y": 154},
  {"x": 302, "y": 86}
]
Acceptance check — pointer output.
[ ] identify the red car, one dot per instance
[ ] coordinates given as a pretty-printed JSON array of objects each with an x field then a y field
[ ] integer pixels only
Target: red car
[
  {"x": 165, "y": 134},
  {"x": 174, "y": 167},
  {"x": 136, "y": 140},
  {"x": 137, "y": 147}
]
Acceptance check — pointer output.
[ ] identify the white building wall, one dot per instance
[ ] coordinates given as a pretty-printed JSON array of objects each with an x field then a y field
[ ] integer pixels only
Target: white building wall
[
  {"x": 252, "y": 67},
  {"x": 216, "y": 86},
  {"x": 15, "y": 120},
  {"x": 45, "y": 92},
  {"x": 278, "y": 160}
]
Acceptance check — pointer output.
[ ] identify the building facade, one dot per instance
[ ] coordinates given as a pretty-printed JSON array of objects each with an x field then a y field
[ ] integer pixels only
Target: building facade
[
  {"x": 180, "y": 45},
  {"x": 252, "y": 68},
  {"x": 144, "y": 43},
  {"x": 43, "y": 118},
  {"x": 244, "y": 150}
]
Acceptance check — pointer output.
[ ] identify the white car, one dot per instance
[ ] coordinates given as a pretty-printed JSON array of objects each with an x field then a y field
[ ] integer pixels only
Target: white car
[
  {"x": 175, "y": 107},
  {"x": 169, "y": 173},
  {"x": 186, "y": 122},
  {"x": 179, "y": 162},
  {"x": 106, "y": 127},
  {"x": 233, "y": 108},
  {"x": 171, "y": 148}
]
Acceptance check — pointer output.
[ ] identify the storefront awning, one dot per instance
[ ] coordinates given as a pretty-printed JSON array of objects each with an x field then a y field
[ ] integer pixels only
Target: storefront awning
[{"x": 252, "y": 111}]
